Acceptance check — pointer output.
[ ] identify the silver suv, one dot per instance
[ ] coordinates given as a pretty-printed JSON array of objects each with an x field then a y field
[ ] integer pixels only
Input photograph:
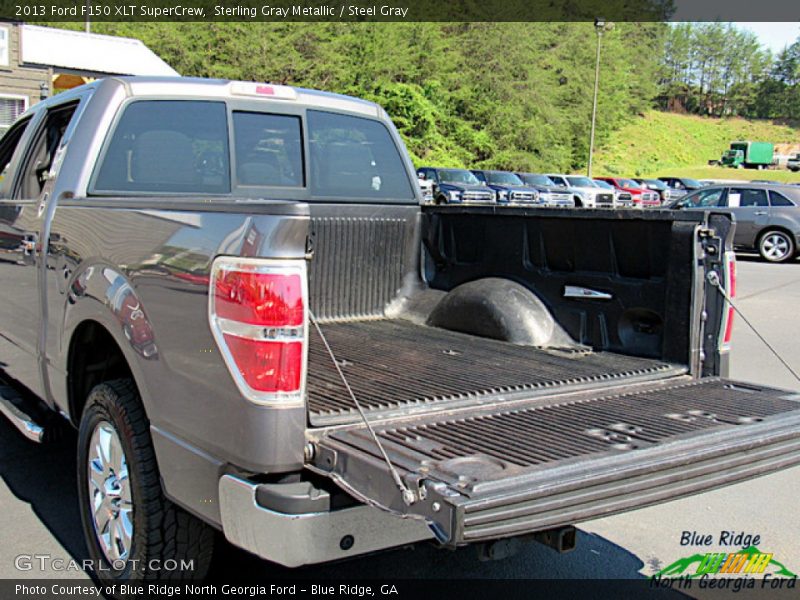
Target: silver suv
[{"x": 767, "y": 216}]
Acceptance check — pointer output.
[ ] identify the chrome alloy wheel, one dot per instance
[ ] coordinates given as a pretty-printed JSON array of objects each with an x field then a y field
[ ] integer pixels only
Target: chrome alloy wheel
[
  {"x": 110, "y": 499},
  {"x": 775, "y": 246}
]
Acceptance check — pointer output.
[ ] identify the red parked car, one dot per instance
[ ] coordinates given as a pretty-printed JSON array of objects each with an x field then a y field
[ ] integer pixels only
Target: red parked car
[{"x": 642, "y": 197}]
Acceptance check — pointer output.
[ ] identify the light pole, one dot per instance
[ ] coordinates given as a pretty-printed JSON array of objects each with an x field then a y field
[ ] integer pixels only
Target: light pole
[{"x": 599, "y": 27}]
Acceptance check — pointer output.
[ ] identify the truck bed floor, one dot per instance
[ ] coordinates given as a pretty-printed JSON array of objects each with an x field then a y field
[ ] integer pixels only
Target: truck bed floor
[{"x": 398, "y": 366}]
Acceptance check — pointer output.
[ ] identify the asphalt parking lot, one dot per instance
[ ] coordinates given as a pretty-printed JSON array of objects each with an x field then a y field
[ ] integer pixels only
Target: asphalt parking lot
[{"x": 40, "y": 516}]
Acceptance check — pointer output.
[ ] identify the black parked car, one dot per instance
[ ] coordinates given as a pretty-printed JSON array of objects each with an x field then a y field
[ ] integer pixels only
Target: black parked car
[
  {"x": 767, "y": 216},
  {"x": 456, "y": 186},
  {"x": 509, "y": 188}
]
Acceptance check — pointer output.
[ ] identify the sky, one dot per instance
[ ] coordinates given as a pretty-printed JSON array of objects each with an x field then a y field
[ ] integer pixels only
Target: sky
[{"x": 774, "y": 35}]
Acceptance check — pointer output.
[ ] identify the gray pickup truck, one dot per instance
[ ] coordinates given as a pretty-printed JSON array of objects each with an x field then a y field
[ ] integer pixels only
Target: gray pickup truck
[{"x": 231, "y": 290}]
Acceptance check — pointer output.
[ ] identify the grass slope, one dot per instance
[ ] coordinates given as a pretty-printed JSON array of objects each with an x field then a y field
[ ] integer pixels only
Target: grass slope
[{"x": 661, "y": 143}]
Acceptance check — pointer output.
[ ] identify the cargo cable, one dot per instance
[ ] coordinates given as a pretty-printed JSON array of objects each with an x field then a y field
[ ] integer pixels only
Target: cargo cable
[
  {"x": 714, "y": 280},
  {"x": 408, "y": 496}
]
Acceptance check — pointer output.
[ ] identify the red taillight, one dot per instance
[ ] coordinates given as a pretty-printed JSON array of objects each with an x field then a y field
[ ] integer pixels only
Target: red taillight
[
  {"x": 267, "y": 366},
  {"x": 268, "y": 299},
  {"x": 730, "y": 261},
  {"x": 257, "y": 315}
]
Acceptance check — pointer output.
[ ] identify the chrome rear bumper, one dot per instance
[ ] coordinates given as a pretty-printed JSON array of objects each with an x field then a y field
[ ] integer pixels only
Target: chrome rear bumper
[{"x": 293, "y": 540}]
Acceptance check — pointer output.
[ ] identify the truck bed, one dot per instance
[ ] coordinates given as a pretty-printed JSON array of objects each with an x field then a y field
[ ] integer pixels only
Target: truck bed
[{"x": 399, "y": 367}]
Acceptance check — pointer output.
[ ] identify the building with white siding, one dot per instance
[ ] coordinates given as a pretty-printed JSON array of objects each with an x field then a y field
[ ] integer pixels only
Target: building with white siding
[{"x": 37, "y": 61}]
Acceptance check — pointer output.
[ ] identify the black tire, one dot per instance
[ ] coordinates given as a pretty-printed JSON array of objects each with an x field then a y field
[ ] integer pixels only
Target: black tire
[
  {"x": 162, "y": 532},
  {"x": 776, "y": 246},
  {"x": 578, "y": 202}
]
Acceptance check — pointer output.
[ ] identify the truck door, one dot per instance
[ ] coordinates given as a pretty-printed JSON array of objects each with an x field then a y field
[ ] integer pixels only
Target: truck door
[
  {"x": 751, "y": 208},
  {"x": 17, "y": 356},
  {"x": 22, "y": 220}
]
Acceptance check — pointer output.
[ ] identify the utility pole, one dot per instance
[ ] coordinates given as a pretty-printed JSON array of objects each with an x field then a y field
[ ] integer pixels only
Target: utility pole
[
  {"x": 88, "y": 23},
  {"x": 599, "y": 26}
]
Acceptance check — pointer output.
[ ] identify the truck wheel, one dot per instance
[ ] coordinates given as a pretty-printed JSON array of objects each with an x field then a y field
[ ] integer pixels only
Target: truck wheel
[
  {"x": 776, "y": 246},
  {"x": 578, "y": 202},
  {"x": 132, "y": 530}
]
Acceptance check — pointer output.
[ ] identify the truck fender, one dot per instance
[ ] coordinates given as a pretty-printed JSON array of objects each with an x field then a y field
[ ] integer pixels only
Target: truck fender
[
  {"x": 500, "y": 309},
  {"x": 101, "y": 293}
]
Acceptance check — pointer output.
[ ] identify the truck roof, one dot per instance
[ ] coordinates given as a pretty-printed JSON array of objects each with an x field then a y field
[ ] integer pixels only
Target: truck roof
[{"x": 228, "y": 89}]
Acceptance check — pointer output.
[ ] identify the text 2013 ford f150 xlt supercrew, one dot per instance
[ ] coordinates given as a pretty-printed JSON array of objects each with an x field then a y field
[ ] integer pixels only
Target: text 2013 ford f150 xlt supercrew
[{"x": 179, "y": 259}]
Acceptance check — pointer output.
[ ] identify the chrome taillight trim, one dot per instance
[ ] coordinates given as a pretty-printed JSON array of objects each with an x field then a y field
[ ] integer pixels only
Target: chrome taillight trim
[
  {"x": 729, "y": 265},
  {"x": 220, "y": 326}
]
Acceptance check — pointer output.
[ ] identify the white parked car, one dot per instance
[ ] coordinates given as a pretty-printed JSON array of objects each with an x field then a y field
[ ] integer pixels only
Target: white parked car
[{"x": 585, "y": 193}]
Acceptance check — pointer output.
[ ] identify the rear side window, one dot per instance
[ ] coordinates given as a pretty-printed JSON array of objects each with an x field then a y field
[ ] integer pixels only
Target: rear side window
[
  {"x": 269, "y": 150},
  {"x": 168, "y": 146},
  {"x": 744, "y": 197},
  {"x": 776, "y": 199},
  {"x": 355, "y": 158},
  {"x": 8, "y": 145},
  {"x": 35, "y": 171}
]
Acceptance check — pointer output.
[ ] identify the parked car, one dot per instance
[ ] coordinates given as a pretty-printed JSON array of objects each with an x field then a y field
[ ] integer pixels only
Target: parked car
[
  {"x": 621, "y": 199},
  {"x": 509, "y": 188},
  {"x": 641, "y": 196},
  {"x": 767, "y": 216},
  {"x": 680, "y": 186},
  {"x": 549, "y": 193},
  {"x": 456, "y": 186},
  {"x": 345, "y": 370},
  {"x": 793, "y": 164},
  {"x": 658, "y": 186},
  {"x": 586, "y": 195}
]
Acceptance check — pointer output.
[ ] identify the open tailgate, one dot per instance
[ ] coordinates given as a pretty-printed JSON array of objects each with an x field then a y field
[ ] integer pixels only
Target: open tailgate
[{"x": 512, "y": 467}]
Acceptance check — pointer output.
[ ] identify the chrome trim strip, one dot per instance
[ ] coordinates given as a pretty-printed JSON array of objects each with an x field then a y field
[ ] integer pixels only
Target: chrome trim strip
[
  {"x": 260, "y": 332},
  {"x": 575, "y": 291}
]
